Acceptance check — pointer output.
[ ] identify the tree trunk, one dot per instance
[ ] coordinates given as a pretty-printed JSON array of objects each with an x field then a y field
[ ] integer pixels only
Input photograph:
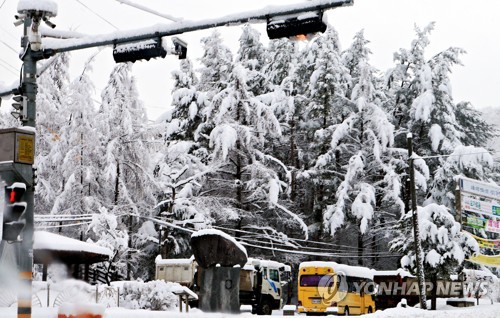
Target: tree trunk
[{"x": 360, "y": 248}]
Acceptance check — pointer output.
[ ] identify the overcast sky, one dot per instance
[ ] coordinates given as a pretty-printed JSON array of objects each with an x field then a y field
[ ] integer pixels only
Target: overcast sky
[{"x": 388, "y": 24}]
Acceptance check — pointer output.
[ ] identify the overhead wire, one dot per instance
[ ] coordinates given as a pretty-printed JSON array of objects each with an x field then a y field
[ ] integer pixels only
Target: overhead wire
[
  {"x": 146, "y": 9},
  {"x": 61, "y": 225},
  {"x": 97, "y": 14},
  {"x": 7, "y": 66},
  {"x": 303, "y": 252}
]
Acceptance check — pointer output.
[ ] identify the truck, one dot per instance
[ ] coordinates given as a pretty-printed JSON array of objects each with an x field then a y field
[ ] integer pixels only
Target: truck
[{"x": 262, "y": 282}]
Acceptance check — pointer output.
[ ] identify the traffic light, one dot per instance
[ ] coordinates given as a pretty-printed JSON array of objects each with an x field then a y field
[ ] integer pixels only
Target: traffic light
[
  {"x": 13, "y": 213},
  {"x": 142, "y": 50},
  {"x": 21, "y": 107},
  {"x": 295, "y": 25}
]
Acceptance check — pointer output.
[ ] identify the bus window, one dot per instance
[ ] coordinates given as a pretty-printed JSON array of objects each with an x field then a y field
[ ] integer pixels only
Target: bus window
[
  {"x": 274, "y": 275},
  {"x": 310, "y": 280}
]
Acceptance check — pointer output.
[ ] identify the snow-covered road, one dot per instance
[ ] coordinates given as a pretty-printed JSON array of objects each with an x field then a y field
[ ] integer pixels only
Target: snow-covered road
[{"x": 481, "y": 311}]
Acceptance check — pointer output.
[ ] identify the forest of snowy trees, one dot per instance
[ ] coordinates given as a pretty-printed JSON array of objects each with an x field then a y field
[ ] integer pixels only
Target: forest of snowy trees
[{"x": 297, "y": 149}]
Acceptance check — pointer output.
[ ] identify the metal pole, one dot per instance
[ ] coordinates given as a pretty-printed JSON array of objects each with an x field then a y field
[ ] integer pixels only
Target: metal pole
[
  {"x": 416, "y": 231},
  {"x": 25, "y": 247}
]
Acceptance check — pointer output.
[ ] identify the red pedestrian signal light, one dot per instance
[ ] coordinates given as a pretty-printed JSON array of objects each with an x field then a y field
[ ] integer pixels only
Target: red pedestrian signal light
[{"x": 13, "y": 212}]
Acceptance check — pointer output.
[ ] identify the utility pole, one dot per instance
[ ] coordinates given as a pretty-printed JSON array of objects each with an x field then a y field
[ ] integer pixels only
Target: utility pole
[{"x": 416, "y": 231}]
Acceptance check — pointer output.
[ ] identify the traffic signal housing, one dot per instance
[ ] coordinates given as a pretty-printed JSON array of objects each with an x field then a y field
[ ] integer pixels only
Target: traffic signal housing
[
  {"x": 13, "y": 213},
  {"x": 21, "y": 107},
  {"x": 142, "y": 50},
  {"x": 295, "y": 25}
]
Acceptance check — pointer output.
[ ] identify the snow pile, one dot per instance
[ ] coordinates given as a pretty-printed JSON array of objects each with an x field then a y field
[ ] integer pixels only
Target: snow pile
[
  {"x": 174, "y": 261},
  {"x": 220, "y": 233},
  {"x": 153, "y": 295}
]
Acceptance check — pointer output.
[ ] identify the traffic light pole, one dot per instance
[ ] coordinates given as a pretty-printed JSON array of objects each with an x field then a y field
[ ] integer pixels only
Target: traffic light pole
[{"x": 25, "y": 247}]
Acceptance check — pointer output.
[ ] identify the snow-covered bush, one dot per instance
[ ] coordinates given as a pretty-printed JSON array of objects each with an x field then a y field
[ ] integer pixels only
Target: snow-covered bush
[
  {"x": 153, "y": 295},
  {"x": 444, "y": 246}
]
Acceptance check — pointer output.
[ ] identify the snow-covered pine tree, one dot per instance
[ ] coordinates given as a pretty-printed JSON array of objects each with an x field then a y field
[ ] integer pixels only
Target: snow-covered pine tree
[
  {"x": 217, "y": 64},
  {"x": 475, "y": 130},
  {"x": 326, "y": 106},
  {"x": 181, "y": 162},
  {"x": 421, "y": 103},
  {"x": 357, "y": 53},
  {"x": 361, "y": 154},
  {"x": 217, "y": 61},
  {"x": 53, "y": 86},
  {"x": 249, "y": 179},
  {"x": 74, "y": 153},
  {"x": 125, "y": 162},
  {"x": 251, "y": 55},
  {"x": 468, "y": 161},
  {"x": 444, "y": 246}
]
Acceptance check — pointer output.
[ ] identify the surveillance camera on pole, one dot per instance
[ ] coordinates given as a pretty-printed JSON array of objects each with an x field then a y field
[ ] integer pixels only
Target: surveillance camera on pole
[
  {"x": 180, "y": 47},
  {"x": 41, "y": 10}
]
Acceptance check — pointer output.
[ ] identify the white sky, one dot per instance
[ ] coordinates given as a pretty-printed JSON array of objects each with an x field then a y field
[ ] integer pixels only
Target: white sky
[{"x": 388, "y": 24}]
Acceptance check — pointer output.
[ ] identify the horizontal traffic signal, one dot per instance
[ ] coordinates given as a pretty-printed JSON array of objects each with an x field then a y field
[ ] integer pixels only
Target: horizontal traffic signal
[
  {"x": 142, "y": 50},
  {"x": 295, "y": 25}
]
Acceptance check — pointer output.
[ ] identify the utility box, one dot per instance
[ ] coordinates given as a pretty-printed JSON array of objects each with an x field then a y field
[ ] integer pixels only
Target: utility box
[{"x": 17, "y": 145}]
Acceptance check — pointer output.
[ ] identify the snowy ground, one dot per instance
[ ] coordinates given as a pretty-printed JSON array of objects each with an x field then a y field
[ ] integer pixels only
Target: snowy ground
[{"x": 484, "y": 310}]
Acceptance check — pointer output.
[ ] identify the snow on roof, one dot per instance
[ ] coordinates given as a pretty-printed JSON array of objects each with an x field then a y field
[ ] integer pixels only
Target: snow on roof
[
  {"x": 136, "y": 46},
  {"x": 401, "y": 272},
  {"x": 220, "y": 233},
  {"x": 38, "y": 5},
  {"x": 50, "y": 241},
  {"x": 264, "y": 263},
  {"x": 174, "y": 261},
  {"x": 183, "y": 289},
  {"x": 356, "y": 271}
]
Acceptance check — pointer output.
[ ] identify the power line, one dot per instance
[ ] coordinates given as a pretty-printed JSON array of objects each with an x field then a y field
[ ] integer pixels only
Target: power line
[
  {"x": 8, "y": 69},
  {"x": 10, "y": 47},
  {"x": 97, "y": 14},
  {"x": 458, "y": 155},
  {"x": 303, "y": 252},
  {"x": 62, "y": 225},
  {"x": 146, "y": 9}
]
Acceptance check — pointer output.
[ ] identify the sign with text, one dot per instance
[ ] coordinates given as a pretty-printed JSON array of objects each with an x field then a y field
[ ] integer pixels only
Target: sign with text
[
  {"x": 480, "y": 205},
  {"x": 482, "y": 189}
]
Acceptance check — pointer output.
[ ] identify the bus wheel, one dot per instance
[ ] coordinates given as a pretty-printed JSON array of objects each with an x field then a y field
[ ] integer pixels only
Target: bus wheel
[
  {"x": 370, "y": 310},
  {"x": 346, "y": 311}
]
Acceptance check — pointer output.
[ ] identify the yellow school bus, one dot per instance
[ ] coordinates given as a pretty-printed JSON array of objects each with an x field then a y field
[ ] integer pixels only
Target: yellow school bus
[{"x": 329, "y": 287}]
